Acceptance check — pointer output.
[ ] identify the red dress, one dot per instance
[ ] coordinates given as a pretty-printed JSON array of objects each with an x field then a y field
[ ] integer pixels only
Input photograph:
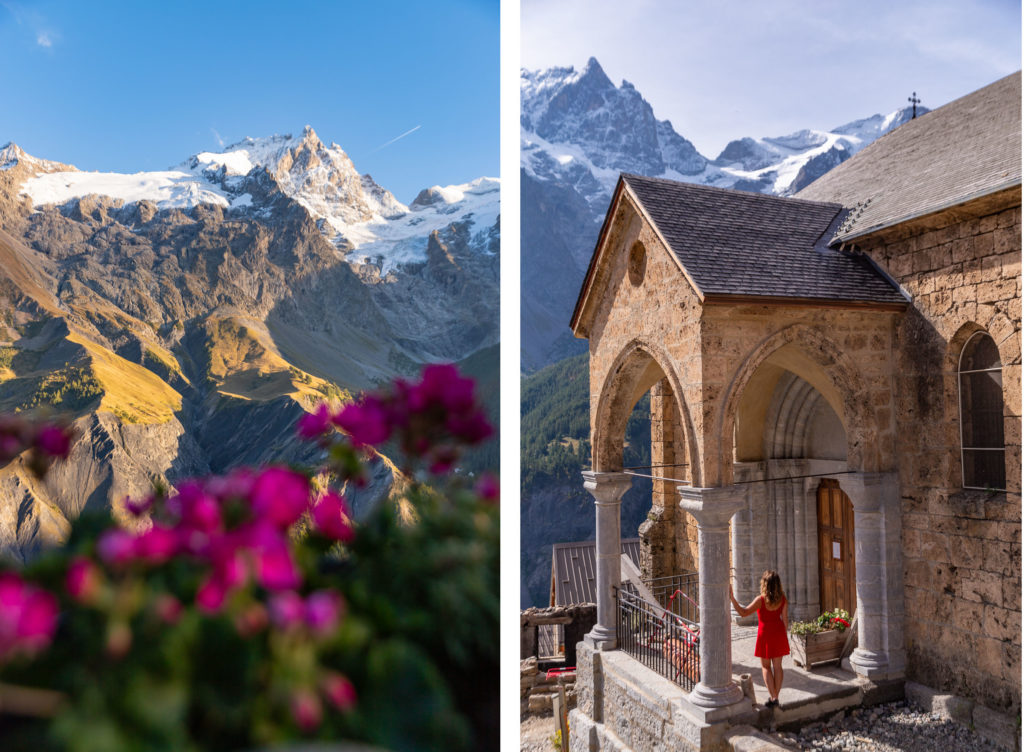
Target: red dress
[{"x": 772, "y": 641}]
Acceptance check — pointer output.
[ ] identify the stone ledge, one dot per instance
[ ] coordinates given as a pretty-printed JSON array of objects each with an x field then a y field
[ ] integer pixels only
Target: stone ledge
[
  {"x": 998, "y": 728},
  {"x": 749, "y": 739}
]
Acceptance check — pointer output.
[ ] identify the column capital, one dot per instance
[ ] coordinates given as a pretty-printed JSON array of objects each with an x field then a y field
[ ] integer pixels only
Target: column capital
[
  {"x": 712, "y": 507},
  {"x": 868, "y": 491},
  {"x": 607, "y": 488}
]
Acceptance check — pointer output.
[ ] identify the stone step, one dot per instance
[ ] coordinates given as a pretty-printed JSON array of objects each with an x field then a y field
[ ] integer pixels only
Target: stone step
[{"x": 749, "y": 739}]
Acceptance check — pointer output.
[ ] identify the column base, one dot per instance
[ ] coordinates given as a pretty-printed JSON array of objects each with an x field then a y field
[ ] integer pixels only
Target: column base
[
  {"x": 714, "y": 704},
  {"x": 871, "y": 664},
  {"x": 601, "y": 638}
]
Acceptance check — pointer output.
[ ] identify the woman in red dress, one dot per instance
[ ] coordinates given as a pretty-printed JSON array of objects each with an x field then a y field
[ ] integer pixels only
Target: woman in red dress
[{"x": 772, "y": 631}]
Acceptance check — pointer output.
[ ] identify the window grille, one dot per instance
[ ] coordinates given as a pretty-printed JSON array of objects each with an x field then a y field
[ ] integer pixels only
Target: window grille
[{"x": 980, "y": 379}]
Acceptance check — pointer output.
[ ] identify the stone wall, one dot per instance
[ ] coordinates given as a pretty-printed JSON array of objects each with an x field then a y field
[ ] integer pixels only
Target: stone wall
[
  {"x": 961, "y": 548},
  {"x": 537, "y": 689}
]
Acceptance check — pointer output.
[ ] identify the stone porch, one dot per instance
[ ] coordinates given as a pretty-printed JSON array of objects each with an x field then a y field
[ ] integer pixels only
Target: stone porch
[{"x": 622, "y": 705}]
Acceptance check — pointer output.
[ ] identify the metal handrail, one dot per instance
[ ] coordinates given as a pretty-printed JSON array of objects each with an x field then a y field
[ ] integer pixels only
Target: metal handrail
[{"x": 662, "y": 640}]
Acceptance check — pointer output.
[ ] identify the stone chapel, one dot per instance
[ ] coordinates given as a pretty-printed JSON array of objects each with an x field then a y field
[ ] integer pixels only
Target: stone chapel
[{"x": 834, "y": 385}]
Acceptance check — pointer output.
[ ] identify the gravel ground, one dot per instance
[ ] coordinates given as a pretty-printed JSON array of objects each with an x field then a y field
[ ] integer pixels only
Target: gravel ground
[
  {"x": 535, "y": 734},
  {"x": 896, "y": 727}
]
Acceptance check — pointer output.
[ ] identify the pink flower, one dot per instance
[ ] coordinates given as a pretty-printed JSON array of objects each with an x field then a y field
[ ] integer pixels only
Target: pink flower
[
  {"x": 366, "y": 422},
  {"x": 315, "y": 423},
  {"x": 116, "y": 547},
  {"x": 167, "y": 608},
  {"x": 200, "y": 511},
  {"x": 306, "y": 709},
  {"x": 472, "y": 428},
  {"x": 54, "y": 441},
  {"x": 157, "y": 545},
  {"x": 138, "y": 508},
  {"x": 442, "y": 460},
  {"x": 28, "y": 616},
  {"x": 237, "y": 485},
  {"x": 330, "y": 515},
  {"x": 339, "y": 691},
  {"x": 275, "y": 568},
  {"x": 228, "y": 563},
  {"x": 287, "y": 609},
  {"x": 38, "y": 619},
  {"x": 280, "y": 495},
  {"x": 211, "y": 595},
  {"x": 323, "y": 611},
  {"x": 488, "y": 488},
  {"x": 82, "y": 580}
]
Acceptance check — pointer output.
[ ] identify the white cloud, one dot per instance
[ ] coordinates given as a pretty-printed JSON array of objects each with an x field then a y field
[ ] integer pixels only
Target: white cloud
[{"x": 43, "y": 39}]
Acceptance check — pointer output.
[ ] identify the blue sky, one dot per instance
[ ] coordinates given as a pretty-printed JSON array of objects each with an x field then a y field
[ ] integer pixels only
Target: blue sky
[
  {"x": 131, "y": 86},
  {"x": 723, "y": 70}
]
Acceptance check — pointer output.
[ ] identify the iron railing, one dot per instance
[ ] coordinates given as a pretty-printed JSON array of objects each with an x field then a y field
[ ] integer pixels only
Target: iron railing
[
  {"x": 661, "y": 640},
  {"x": 678, "y": 593}
]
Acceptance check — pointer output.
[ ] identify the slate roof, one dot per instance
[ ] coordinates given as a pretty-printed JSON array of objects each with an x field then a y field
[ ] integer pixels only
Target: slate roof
[
  {"x": 966, "y": 149},
  {"x": 750, "y": 244},
  {"x": 574, "y": 570}
]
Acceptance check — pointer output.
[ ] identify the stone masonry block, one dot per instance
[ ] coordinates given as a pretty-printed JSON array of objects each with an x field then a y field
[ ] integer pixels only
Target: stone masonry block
[
  {"x": 983, "y": 587},
  {"x": 998, "y": 728},
  {"x": 955, "y": 708},
  {"x": 1002, "y": 624}
]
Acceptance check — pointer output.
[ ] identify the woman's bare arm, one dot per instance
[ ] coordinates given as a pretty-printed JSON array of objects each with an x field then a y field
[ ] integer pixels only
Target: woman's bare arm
[{"x": 747, "y": 611}]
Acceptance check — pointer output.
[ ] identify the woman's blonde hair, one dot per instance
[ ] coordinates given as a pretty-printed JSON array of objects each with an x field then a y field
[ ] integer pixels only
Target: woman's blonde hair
[{"x": 771, "y": 588}]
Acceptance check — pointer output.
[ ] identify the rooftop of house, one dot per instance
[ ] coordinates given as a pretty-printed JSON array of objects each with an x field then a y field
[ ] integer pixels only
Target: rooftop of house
[
  {"x": 963, "y": 150},
  {"x": 735, "y": 243},
  {"x": 574, "y": 570}
]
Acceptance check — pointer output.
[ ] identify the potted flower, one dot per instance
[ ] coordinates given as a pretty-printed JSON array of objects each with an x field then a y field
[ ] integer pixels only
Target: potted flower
[{"x": 821, "y": 640}]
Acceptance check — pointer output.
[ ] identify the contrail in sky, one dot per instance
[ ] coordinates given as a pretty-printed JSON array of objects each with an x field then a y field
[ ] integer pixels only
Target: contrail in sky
[{"x": 388, "y": 143}]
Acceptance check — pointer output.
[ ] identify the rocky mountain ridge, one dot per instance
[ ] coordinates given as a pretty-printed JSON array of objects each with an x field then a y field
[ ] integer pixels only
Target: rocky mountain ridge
[{"x": 187, "y": 318}]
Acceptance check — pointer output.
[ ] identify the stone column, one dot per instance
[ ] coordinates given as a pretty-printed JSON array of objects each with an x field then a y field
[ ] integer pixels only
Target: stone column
[
  {"x": 713, "y": 508},
  {"x": 608, "y": 490},
  {"x": 876, "y": 521}
]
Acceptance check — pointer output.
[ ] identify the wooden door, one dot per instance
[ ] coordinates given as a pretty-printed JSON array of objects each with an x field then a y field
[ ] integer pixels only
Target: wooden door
[{"x": 836, "y": 566}]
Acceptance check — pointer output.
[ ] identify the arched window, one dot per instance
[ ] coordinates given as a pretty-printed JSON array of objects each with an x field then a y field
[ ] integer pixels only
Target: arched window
[{"x": 981, "y": 414}]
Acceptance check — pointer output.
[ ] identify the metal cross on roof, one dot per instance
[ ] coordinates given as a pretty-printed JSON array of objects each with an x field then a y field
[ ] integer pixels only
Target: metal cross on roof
[{"x": 914, "y": 101}]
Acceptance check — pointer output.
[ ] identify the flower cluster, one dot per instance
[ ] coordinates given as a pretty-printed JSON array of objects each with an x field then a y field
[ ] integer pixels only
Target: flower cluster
[
  {"x": 837, "y": 619},
  {"x": 429, "y": 419},
  {"x": 46, "y": 441},
  {"x": 237, "y": 533},
  {"x": 242, "y": 575},
  {"x": 28, "y": 617},
  {"x": 236, "y": 526}
]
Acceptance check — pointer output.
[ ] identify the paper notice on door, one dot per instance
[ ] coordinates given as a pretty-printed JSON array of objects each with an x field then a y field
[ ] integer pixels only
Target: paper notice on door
[{"x": 836, "y": 554}]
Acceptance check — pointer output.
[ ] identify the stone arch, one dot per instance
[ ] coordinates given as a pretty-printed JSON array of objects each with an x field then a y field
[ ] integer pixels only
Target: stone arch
[
  {"x": 811, "y": 355},
  {"x": 638, "y": 366},
  {"x": 800, "y": 423},
  {"x": 1009, "y": 349}
]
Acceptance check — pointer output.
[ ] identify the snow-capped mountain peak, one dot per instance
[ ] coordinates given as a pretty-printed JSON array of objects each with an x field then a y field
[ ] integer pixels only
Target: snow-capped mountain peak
[
  {"x": 12, "y": 155},
  {"x": 321, "y": 178},
  {"x": 364, "y": 220}
]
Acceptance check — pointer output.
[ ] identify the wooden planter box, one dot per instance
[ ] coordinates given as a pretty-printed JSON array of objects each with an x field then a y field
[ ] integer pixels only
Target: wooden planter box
[{"x": 822, "y": 647}]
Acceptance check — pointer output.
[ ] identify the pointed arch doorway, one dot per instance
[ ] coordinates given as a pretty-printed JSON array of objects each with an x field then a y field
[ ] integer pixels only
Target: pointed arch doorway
[{"x": 837, "y": 566}]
